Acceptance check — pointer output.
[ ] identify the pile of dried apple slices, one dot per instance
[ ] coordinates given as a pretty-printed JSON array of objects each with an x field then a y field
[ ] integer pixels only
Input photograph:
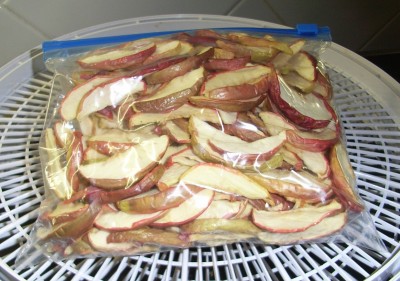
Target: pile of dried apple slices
[{"x": 195, "y": 139}]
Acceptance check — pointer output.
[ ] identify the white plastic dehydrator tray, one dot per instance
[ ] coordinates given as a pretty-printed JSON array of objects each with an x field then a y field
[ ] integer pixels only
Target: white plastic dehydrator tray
[{"x": 368, "y": 102}]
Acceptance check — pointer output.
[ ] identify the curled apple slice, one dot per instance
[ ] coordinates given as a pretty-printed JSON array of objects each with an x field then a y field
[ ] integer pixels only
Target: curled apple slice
[
  {"x": 122, "y": 56},
  {"x": 98, "y": 240},
  {"x": 221, "y": 209},
  {"x": 148, "y": 236},
  {"x": 175, "y": 133},
  {"x": 344, "y": 180},
  {"x": 154, "y": 201},
  {"x": 125, "y": 168},
  {"x": 113, "y": 220},
  {"x": 248, "y": 40},
  {"x": 281, "y": 59},
  {"x": 291, "y": 184},
  {"x": 226, "y": 105},
  {"x": 111, "y": 93},
  {"x": 230, "y": 149},
  {"x": 215, "y": 225},
  {"x": 307, "y": 111},
  {"x": 66, "y": 212},
  {"x": 294, "y": 220},
  {"x": 184, "y": 111},
  {"x": 169, "y": 48},
  {"x": 187, "y": 211},
  {"x": 171, "y": 176},
  {"x": 63, "y": 134},
  {"x": 325, "y": 228},
  {"x": 255, "y": 77},
  {"x": 70, "y": 104},
  {"x": 172, "y": 94},
  {"x": 224, "y": 179},
  {"x": 304, "y": 64},
  {"x": 216, "y": 64}
]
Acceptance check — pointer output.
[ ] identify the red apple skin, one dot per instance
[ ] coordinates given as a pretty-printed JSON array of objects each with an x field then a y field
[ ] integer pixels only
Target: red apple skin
[
  {"x": 123, "y": 62},
  {"x": 64, "y": 217},
  {"x": 106, "y": 112},
  {"x": 290, "y": 112},
  {"x": 226, "y": 105},
  {"x": 142, "y": 186},
  {"x": 163, "y": 200},
  {"x": 226, "y": 64},
  {"x": 309, "y": 144},
  {"x": 323, "y": 86}
]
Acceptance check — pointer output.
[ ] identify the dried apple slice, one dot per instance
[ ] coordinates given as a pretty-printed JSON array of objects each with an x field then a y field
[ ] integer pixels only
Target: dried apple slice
[
  {"x": 294, "y": 220},
  {"x": 114, "y": 220},
  {"x": 122, "y": 56},
  {"x": 154, "y": 201},
  {"x": 74, "y": 160},
  {"x": 325, "y": 228},
  {"x": 275, "y": 123},
  {"x": 232, "y": 150},
  {"x": 169, "y": 48},
  {"x": 221, "y": 209},
  {"x": 63, "y": 134},
  {"x": 187, "y": 211},
  {"x": 304, "y": 64},
  {"x": 316, "y": 162},
  {"x": 111, "y": 93},
  {"x": 172, "y": 94},
  {"x": 148, "y": 236},
  {"x": 281, "y": 59},
  {"x": 56, "y": 175},
  {"x": 171, "y": 176},
  {"x": 98, "y": 240},
  {"x": 185, "y": 157},
  {"x": 218, "y": 64},
  {"x": 221, "y": 225},
  {"x": 176, "y": 134},
  {"x": 248, "y": 40},
  {"x": 185, "y": 111},
  {"x": 293, "y": 79},
  {"x": 313, "y": 141},
  {"x": 125, "y": 168},
  {"x": 291, "y": 184},
  {"x": 239, "y": 84},
  {"x": 70, "y": 104},
  {"x": 323, "y": 86},
  {"x": 224, "y": 179},
  {"x": 344, "y": 180},
  {"x": 66, "y": 212},
  {"x": 308, "y": 111},
  {"x": 226, "y": 105}
]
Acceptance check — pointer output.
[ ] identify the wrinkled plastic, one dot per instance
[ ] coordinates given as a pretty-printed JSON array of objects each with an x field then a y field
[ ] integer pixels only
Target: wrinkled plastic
[{"x": 195, "y": 138}]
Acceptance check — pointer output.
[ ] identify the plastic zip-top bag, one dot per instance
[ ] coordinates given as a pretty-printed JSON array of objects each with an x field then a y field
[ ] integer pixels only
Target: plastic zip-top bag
[{"x": 193, "y": 138}]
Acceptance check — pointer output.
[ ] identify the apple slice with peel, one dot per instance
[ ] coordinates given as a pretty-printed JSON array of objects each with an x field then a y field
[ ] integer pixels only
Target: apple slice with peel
[
  {"x": 224, "y": 179},
  {"x": 255, "y": 77},
  {"x": 55, "y": 174},
  {"x": 275, "y": 123},
  {"x": 63, "y": 134},
  {"x": 74, "y": 160},
  {"x": 226, "y": 105},
  {"x": 291, "y": 158},
  {"x": 171, "y": 150},
  {"x": 313, "y": 141},
  {"x": 316, "y": 162},
  {"x": 66, "y": 212},
  {"x": 72, "y": 229},
  {"x": 187, "y": 211},
  {"x": 257, "y": 54},
  {"x": 295, "y": 220},
  {"x": 215, "y": 225},
  {"x": 144, "y": 185},
  {"x": 281, "y": 59},
  {"x": 344, "y": 180},
  {"x": 325, "y": 228},
  {"x": 70, "y": 104},
  {"x": 183, "y": 66},
  {"x": 293, "y": 79},
  {"x": 307, "y": 111},
  {"x": 304, "y": 64},
  {"x": 171, "y": 176},
  {"x": 154, "y": 201},
  {"x": 169, "y": 48},
  {"x": 221, "y": 209},
  {"x": 149, "y": 236},
  {"x": 248, "y": 40},
  {"x": 92, "y": 155},
  {"x": 110, "y": 93},
  {"x": 184, "y": 111},
  {"x": 172, "y": 94},
  {"x": 176, "y": 134},
  {"x": 232, "y": 149},
  {"x": 125, "y": 168},
  {"x": 218, "y": 64},
  {"x": 323, "y": 86},
  {"x": 121, "y": 56},
  {"x": 185, "y": 157},
  {"x": 98, "y": 240},
  {"x": 291, "y": 185},
  {"x": 114, "y": 220}
]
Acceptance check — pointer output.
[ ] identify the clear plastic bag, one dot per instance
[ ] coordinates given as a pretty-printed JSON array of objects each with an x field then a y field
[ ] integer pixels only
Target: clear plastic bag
[{"x": 193, "y": 138}]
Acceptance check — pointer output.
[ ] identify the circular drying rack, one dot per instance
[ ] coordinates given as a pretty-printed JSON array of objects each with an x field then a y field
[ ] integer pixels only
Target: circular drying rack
[{"x": 366, "y": 98}]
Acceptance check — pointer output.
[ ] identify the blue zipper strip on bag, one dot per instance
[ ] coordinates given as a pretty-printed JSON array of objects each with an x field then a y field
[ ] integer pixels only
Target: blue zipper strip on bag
[{"x": 310, "y": 31}]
